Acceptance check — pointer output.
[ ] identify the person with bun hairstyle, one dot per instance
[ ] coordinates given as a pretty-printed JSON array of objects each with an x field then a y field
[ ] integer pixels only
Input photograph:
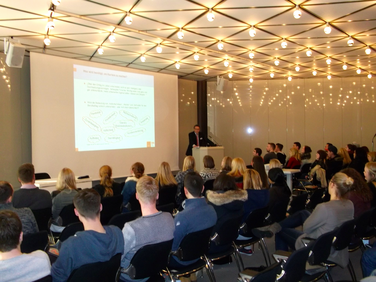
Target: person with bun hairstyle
[
  {"x": 107, "y": 187},
  {"x": 370, "y": 176},
  {"x": 129, "y": 189},
  {"x": 324, "y": 218}
]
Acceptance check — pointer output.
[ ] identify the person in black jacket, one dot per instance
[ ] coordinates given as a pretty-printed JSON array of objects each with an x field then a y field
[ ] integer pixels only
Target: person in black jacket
[{"x": 196, "y": 139}]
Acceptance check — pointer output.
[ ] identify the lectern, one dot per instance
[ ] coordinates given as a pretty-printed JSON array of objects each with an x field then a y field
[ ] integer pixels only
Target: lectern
[{"x": 199, "y": 153}]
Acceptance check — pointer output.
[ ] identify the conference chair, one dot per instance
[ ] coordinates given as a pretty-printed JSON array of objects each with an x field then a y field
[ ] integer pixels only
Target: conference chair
[
  {"x": 166, "y": 208},
  {"x": 148, "y": 262},
  {"x": 71, "y": 230},
  {"x": 42, "y": 216},
  {"x": 120, "y": 219},
  {"x": 208, "y": 185},
  {"x": 361, "y": 232},
  {"x": 110, "y": 207},
  {"x": 35, "y": 241},
  {"x": 97, "y": 272},
  {"x": 298, "y": 203},
  {"x": 134, "y": 203},
  {"x": 42, "y": 175},
  {"x": 167, "y": 195},
  {"x": 269, "y": 274},
  {"x": 68, "y": 216}
]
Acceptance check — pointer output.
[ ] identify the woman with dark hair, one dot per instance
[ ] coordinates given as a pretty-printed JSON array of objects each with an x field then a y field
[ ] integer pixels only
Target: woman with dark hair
[
  {"x": 360, "y": 194},
  {"x": 107, "y": 186},
  {"x": 305, "y": 155},
  {"x": 209, "y": 171},
  {"x": 320, "y": 159},
  {"x": 129, "y": 189},
  {"x": 359, "y": 161},
  {"x": 258, "y": 165}
]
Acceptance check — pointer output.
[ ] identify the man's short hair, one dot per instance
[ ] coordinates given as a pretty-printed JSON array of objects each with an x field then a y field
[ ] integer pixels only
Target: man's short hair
[
  {"x": 258, "y": 151},
  {"x": 26, "y": 173},
  {"x": 194, "y": 183},
  {"x": 333, "y": 149},
  {"x": 298, "y": 145},
  {"x": 329, "y": 144},
  {"x": 280, "y": 146},
  {"x": 6, "y": 191},
  {"x": 147, "y": 189},
  {"x": 196, "y": 125},
  {"x": 87, "y": 202},
  {"x": 272, "y": 145},
  {"x": 10, "y": 230}
]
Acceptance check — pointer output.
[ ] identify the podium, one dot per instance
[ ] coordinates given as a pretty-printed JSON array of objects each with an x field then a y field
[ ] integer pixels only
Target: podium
[{"x": 217, "y": 153}]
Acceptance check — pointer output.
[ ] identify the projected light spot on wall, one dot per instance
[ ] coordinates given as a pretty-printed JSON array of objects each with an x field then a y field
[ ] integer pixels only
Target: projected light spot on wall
[{"x": 249, "y": 130}]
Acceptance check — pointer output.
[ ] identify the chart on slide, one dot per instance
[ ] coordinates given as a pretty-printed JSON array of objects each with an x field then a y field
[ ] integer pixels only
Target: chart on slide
[{"x": 113, "y": 109}]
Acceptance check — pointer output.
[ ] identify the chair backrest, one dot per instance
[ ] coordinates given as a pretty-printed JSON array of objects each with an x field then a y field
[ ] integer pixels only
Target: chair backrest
[
  {"x": 167, "y": 194},
  {"x": 67, "y": 215},
  {"x": 110, "y": 207},
  {"x": 120, "y": 219},
  {"x": 362, "y": 222},
  {"x": 315, "y": 199},
  {"x": 269, "y": 274},
  {"x": 321, "y": 248},
  {"x": 135, "y": 204},
  {"x": 279, "y": 209},
  {"x": 71, "y": 230},
  {"x": 166, "y": 208},
  {"x": 149, "y": 260},
  {"x": 254, "y": 219},
  {"x": 34, "y": 241},
  {"x": 298, "y": 203},
  {"x": 97, "y": 272},
  {"x": 42, "y": 216},
  {"x": 304, "y": 169},
  {"x": 227, "y": 232},
  {"x": 295, "y": 265},
  {"x": 344, "y": 235},
  {"x": 47, "y": 278},
  {"x": 194, "y": 245},
  {"x": 208, "y": 185},
  {"x": 42, "y": 175}
]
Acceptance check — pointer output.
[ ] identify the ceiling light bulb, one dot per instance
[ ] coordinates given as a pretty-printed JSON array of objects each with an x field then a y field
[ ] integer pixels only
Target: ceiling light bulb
[
  {"x": 368, "y": 50},
  {"x": 220, "y": 45},
  {"x": 56, "y": 2},
  {"x": 251, "y": 80},
  {"x": 289, "y": 78},
  {"x": 100, "y": 51},
  {"x": 230, "y": 74},
  {"x": 196, "y": 56},
  {"x": 297, "y": 12},
  {"x": 112, "y": 38},
  {"x": 47, "y": 40},
  {"x": 271, "y": 74},
  {"x": 128, "y": 19},
  {"x": 251, "y": 55},
  {"x": 206, "y": 70},
  {"x": 327, "y": 29},
  {"x": 358, "y": 71},
  {"x": 314, "y": 72},
  {"x": 283, "y": 43},
  {"x": 210, "y": 15},
  {"x": 50, "y": 23},
  {"x": 350, "y": 42},
  {"x": 297, "y": 68},
  {"x": 251, "y": 69},
  {"x": 226, "y": 63},
  {"x": 180, "y": 34},
  {"x": 369, "y": 75},
  {"x": 329, "y": 76},
  {"x": 344, "y": 67},
  {"x": 177, "y": 65},
  {"x": 309, "y": 52},
  {"x": 328, "y": 61},
  {"x": 143, "y": 58},
  {"x": 276, "y": 62},
  {"x": 252, "y": 32},
  {"x": 159, "y": 48}
]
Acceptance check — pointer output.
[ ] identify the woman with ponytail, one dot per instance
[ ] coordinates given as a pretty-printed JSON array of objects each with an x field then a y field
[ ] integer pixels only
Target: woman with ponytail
[{"x": 107, "y": 187}]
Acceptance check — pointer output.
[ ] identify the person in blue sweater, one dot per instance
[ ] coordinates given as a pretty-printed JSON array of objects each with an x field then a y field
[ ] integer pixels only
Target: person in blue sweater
[{"x": 96, "y": 244}]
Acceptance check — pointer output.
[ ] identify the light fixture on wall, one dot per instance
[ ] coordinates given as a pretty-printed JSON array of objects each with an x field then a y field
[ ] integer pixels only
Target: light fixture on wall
[
  {"x": 226, "y": 63},
  {"x": 159, "y": 48},
  {"x": 230, "y": 74},
  {"x": 350, "y": 41},
  {"x": 180, "y": 34},
  {"x": 309, "y": 52},
  {"x": 112, "y": 37},
  {"x": 369, "y": 75},
  {"x": 297, "y": 12},
  {"x": 220, "y": 45},
  {"x": 344, "y": 67},
  {"x": 56, "y": 2},
  {"x": 251, "y": 69},
  {"x": 314, "y": 72},
  {"x": 177, "y": 65},
  {"x": 196, "y": 56},
  {"x": 358, "y": 71},
  {"x": 276, "y": 62},
  {"x": 328, "y": 61},
  {"x": 327, "y": 28},
  {"x": 329, "y": 76},
  {"x": 50, "y": 23},
  {"x": 251, "y": 80},
  {"x": 251, "y": 55},
  {"x": 368, "y": 50},
  {"x": 297, "y": 68},
  {"x": 289, "y": 78},
  {"x": 206, "y": 70},
  {"x": 252, "y": 32},
  {"x": 47, "y": 40},
  {"x": 100, "y": 50},
  {"x": 284, "y": 43},
  {"x": 143, "y": 58},
  {"x": 128, "y": 19},
  {"x": 272, "y": 74},
  {"x": 210, "y": 15}
]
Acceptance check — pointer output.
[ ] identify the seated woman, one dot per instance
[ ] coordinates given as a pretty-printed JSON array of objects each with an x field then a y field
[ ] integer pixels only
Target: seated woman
[
  {"x": 294, "y": 159},
  {"x": 129, "y": 189},
  {"x": 188, "y": 166},
  {"x": 360, "y": 160},
  {"x": 226, "y": 165},
  {"x": 63, "y": 196},
  {"x": 275, "y": 163},
  {"x": 370, "y": 176},
  {"x": 209, "y": 171},
  {"x": 166, "y": 183},
  {"x": 258, "y": 165},
  {"x": 305, "y": 155},
  {"x": 107, "y": 187},
  {"x": 324, "y": 218},
  {"x": 237, "y": 170},
  {"x": 346, "y": 158},
  {"x": 371, "y": 156}
]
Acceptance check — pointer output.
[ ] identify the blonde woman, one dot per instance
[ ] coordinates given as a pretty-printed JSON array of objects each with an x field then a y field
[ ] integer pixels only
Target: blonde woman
[
  {"x": 238, "y": 168},
  {"x": 294, "y": 159},
  {"x": 275, "y": 163},
  {"x": 167, "y": 184},
  {"x": 370, "y": 176},
  {"x": 107, "y": 187},
  {"x": 188, "y": 166},
  {"x": 346, "y": 157},
  {"x": 371, "y": 156}
]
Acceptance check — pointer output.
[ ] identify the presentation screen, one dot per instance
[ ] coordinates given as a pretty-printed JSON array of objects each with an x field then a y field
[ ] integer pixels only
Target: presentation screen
[{"x": 87, "y": 114}]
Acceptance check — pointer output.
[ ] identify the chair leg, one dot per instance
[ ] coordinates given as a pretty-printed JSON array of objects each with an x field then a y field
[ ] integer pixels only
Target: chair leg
[
  {"x": 209, "y": 269},
  {"x": 352, "y": 271},
  {"x": 267, "y": 256},
  {"x": 328, "y": 276},
  {"x": 236, "y": 260},
  {"x": 239, "y": 256}
]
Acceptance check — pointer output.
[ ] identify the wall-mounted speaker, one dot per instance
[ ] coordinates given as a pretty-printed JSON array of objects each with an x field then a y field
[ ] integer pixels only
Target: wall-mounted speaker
[{"x": 14, "y": 53}]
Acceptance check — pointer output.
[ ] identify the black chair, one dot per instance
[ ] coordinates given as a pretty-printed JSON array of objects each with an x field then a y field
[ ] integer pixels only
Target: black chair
[
  {"x": 134, "y": 203},
  {"x": 315, "y": 199},
  {"x": 71, "y": 230},
  {"x": 47, "y": 278},
  {"x": 42, "y": 216},
  {"x": 298, "y": 203},
  {"x": 267, "y": 275},
  {"x": 194, "y": 246},
  {"x": 68, "y": 216},
  {"x": 42, "y": 175},
  {"x": 361, "y": 229},
  {"x": 120, "y": 219},
  {"x": 208, "y": 185},
  {"x": 110, "y": 207},
  {"x": 148, "y": 261},
  {"x": 167, "y": 195},
  {"x": 97, "y": 272},
  {"x": 254, "y": 220},
  {"x": 35, "y": 241},
  {"x": 166, "y": 208}
]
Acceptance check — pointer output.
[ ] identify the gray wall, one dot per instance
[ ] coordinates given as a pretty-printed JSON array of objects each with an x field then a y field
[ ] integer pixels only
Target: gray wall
[{"x": 15, "y": 123}]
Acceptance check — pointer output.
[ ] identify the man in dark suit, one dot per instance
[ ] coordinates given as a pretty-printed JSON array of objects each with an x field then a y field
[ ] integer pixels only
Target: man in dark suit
[{"x": 196, "y": 139}]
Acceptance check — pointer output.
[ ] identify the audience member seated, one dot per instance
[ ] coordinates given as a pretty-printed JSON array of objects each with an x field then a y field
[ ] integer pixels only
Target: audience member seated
[
  {"x": 209, "y": 171},
  {"x": 129, "y": 189},
  {"x": 320, "y": 160},
  {"x": 29, "y": 195},
  {"x": 345, "y": 156},
  {"x": 270, "y": 155},
  {"x": 365, "y": 148},
  {"x": 107, "y": 186},
  {"x": 327, "y": 145},
  {"x": 294, "y": 159},
  {"x": 370, "y": 176},
  {"x": 166, "y": 180},
  {"x": 188, "y": 166},
  {"x": 360, "y": 194},
  {"x": 296, "y": 146},
  {"x": 191, "y": 219},
  {"x": 371, "y": 156},
  {"x": 280, "y": 155},
  {"x": 96, "y": 244},
  {"x": 305, "y": 155},
  {"x": 14, "y": 265},
  {"x": 29, "y": 224},
  {"x": 257, "y": 152},
  {"x": 279, "y": 195},
  {"x": 153, "y": 227},
  {"x": 226, "y": 165},
  {"x": 227, "y": 200},
  {"x": 350, "y": 148},
  {"x": 63, "y": 196},
  {"x": 275, "y": 163},
  {"x": 237, "y": 170},
  {"x": 324, "y": 218},
  {"x": 368, "y": 262},
  {"x": 360, "y": 160},
  {"x": 333, "y": 163},
  {"x": 258, "y": 165}
]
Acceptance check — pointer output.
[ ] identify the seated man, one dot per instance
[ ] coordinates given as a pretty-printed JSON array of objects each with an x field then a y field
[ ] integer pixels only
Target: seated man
[
  {"x": 280, "y": 155},
  {"x": 29, "y": 224},
  {"x": 96, "y": 244},
  {"x": 270, "y": 155},
  {"x": 153, "y": 227},
  {"x": 191, "y": 219},
  {"x": 29, "y": 195},
  {"x": 333, "y": 163},
  {"x": 15, "y": 266}
]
